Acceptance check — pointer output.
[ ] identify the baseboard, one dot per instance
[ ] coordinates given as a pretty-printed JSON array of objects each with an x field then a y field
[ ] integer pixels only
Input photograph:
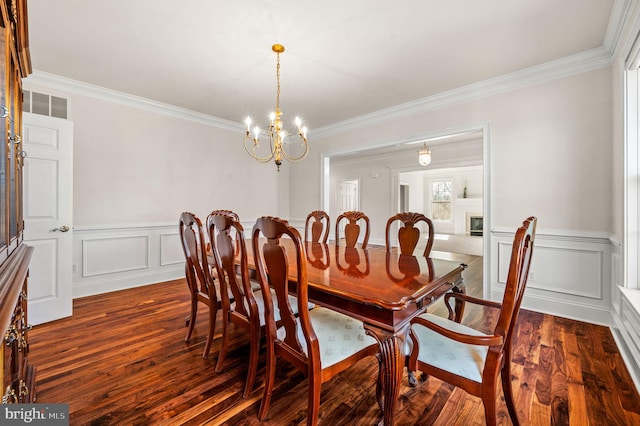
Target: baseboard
[
  {"x": 106, "y": 284},
  {"x": 572, "y": 310}
]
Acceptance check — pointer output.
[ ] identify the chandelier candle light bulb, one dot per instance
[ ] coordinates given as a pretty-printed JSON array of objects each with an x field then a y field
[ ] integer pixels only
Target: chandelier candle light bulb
[{"x": 275, "y": 133}]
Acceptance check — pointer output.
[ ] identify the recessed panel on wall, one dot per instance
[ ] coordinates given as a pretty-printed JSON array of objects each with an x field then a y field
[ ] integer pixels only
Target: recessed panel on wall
[
  {"x": 559, "y": 269},
  {"x": 114, "y": 254},
  {"x": 170, "y": 249}
]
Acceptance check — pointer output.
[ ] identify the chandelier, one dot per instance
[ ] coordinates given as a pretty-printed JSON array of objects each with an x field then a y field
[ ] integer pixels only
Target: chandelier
[
  {"x": 276, "y": 134},
  {"x": 424, "y": 155}
]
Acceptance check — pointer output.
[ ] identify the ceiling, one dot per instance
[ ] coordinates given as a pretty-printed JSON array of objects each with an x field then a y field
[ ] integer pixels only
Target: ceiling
[{"x": 343, "y": 59}]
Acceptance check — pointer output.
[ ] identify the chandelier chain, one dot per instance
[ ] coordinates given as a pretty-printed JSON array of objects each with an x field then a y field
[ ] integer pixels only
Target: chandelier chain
[{"x": 278, "y": 80}]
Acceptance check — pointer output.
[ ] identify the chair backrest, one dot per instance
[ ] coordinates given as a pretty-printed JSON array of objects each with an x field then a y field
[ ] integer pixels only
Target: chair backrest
[
  {"x": 271, "y": 252},
  {"x": 319, "y": 227},
  {"x": 226, "y": 235},
  {"x": 516, "y": 279},
  {"x": 197, "y": 270},
  {"x": 408, "y": 234},
  {"x": 352, "y": 229}
]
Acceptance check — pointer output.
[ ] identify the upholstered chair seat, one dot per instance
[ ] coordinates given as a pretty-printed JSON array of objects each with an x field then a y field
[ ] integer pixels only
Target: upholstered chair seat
[
  {"x": 339, "y": 336},
  {"x": 448, "y": 354}
]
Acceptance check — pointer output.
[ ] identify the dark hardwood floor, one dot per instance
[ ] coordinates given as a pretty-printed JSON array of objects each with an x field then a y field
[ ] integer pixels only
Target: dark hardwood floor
[{"x": 121, "y": 360}]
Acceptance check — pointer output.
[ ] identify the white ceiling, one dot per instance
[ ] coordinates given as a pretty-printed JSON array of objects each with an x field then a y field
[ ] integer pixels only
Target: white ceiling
[{"x": 343, "y": 59}]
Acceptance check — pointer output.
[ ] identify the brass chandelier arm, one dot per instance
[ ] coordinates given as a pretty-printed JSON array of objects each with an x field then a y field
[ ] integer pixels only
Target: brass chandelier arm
[
  {"x": 252, "y": 151},
  {"x": 299, "y": 158}
]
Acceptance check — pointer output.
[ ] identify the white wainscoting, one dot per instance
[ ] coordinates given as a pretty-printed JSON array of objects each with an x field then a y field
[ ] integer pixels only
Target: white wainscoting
[
  {"x": 114, "y": 258},
  {"x": 570, "y": 274},
  {"x": 577, "y": 276},
  {"x": 626, "y": 329}
]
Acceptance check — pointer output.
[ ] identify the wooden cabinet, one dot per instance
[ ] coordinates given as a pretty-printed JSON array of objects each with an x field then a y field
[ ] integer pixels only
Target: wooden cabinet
[{"x": 17, "y": 376}]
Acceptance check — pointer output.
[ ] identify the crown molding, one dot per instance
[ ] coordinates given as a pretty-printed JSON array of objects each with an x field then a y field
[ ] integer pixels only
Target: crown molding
[
  {"x": 571, "y": 65},
  {"x": 52, "y": 81},
  {"x": 565, "y": 67}
]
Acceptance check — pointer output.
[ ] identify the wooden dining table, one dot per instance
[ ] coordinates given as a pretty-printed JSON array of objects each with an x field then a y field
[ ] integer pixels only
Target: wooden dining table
[{"x": 384, "y": 291}]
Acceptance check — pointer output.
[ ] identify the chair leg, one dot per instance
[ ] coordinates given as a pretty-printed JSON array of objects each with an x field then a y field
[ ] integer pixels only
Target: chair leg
[
  {"x": 313, "y": 410},
  {"x": 411, "y": 343},
  {"x": 412, "y": 360},
  {"x": 213, "y": 310},
  {"x": 192, "y": 319},
  {"x": 508, "y": 395},
  {"x": 489, "y": 399},
  {"x": 254, "y": 350},
  {"x": 270, "y": 377},
  {"x": 225, "y": 342}
]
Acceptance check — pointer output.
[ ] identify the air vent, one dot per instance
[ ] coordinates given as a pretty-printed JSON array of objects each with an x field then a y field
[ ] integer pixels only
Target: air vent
[{"x": 43, "y": 104}]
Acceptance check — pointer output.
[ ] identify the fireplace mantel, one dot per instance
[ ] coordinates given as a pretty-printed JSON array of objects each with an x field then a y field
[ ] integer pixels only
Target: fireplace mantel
[{"x": 463, "y": 208}]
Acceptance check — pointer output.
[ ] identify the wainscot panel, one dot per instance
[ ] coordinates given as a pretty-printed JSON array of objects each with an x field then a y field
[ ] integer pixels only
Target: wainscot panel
[
  {"x": 570, "y": 274},
  {"x": 113, "y": 258}
]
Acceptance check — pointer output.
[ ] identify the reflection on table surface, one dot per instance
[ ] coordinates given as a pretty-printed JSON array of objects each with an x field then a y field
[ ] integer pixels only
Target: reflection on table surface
[{"x": 372, "y": 275}]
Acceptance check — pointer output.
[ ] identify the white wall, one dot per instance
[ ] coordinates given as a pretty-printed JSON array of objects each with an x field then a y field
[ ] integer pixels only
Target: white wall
[
  {"x": 136, "y": 170},
  {"x": 625, "y": 301},
  {"x": 542, "y": 143},
  {"x": 540, "y": 161}
]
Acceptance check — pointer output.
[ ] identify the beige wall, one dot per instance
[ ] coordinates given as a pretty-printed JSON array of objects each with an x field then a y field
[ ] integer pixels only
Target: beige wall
[
  {"x": 550, "y": 151},
  {"x": 133, "y": 167}
]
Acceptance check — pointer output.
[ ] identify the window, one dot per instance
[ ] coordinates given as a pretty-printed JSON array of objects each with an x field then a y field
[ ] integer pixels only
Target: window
[
  {"x": 632, "y": 118},
  {"x": 441, "y": 200}
]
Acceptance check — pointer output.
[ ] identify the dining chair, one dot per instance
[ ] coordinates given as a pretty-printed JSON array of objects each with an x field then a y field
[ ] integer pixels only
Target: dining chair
[
  {"x": 319, "y": 226},
  {"x": 319, "y": 342},
  {"x": 202, "y": 285},
  {"x": 352, "y": 229},
  {"x": 467, "y": 358},
  {"x": 408, "y": 234},
  {"x": 243, "y": 301}
]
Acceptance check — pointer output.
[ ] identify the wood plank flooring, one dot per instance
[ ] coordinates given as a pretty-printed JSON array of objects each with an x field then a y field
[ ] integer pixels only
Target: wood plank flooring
[{"x": 122, "y": 360}]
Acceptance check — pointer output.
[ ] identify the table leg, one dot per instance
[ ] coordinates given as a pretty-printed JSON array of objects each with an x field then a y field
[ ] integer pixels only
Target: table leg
[{"x": 392, "y": 361}]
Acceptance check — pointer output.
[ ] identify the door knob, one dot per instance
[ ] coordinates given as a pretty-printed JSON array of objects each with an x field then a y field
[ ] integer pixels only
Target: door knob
[{"x": 63, "y": 228}]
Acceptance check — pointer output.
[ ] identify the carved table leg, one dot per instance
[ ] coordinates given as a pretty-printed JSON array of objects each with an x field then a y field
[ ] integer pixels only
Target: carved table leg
[{"x": 392, "y": 361}]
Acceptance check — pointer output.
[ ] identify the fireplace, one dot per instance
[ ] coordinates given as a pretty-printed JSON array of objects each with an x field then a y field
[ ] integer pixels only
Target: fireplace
[{"x": 474, "y": 224}]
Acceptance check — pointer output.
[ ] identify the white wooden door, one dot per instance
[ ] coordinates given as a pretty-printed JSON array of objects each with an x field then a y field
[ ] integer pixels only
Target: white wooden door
[
  {"x": 48, "y": 215},
  {"x": 348, "y": 199}
]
